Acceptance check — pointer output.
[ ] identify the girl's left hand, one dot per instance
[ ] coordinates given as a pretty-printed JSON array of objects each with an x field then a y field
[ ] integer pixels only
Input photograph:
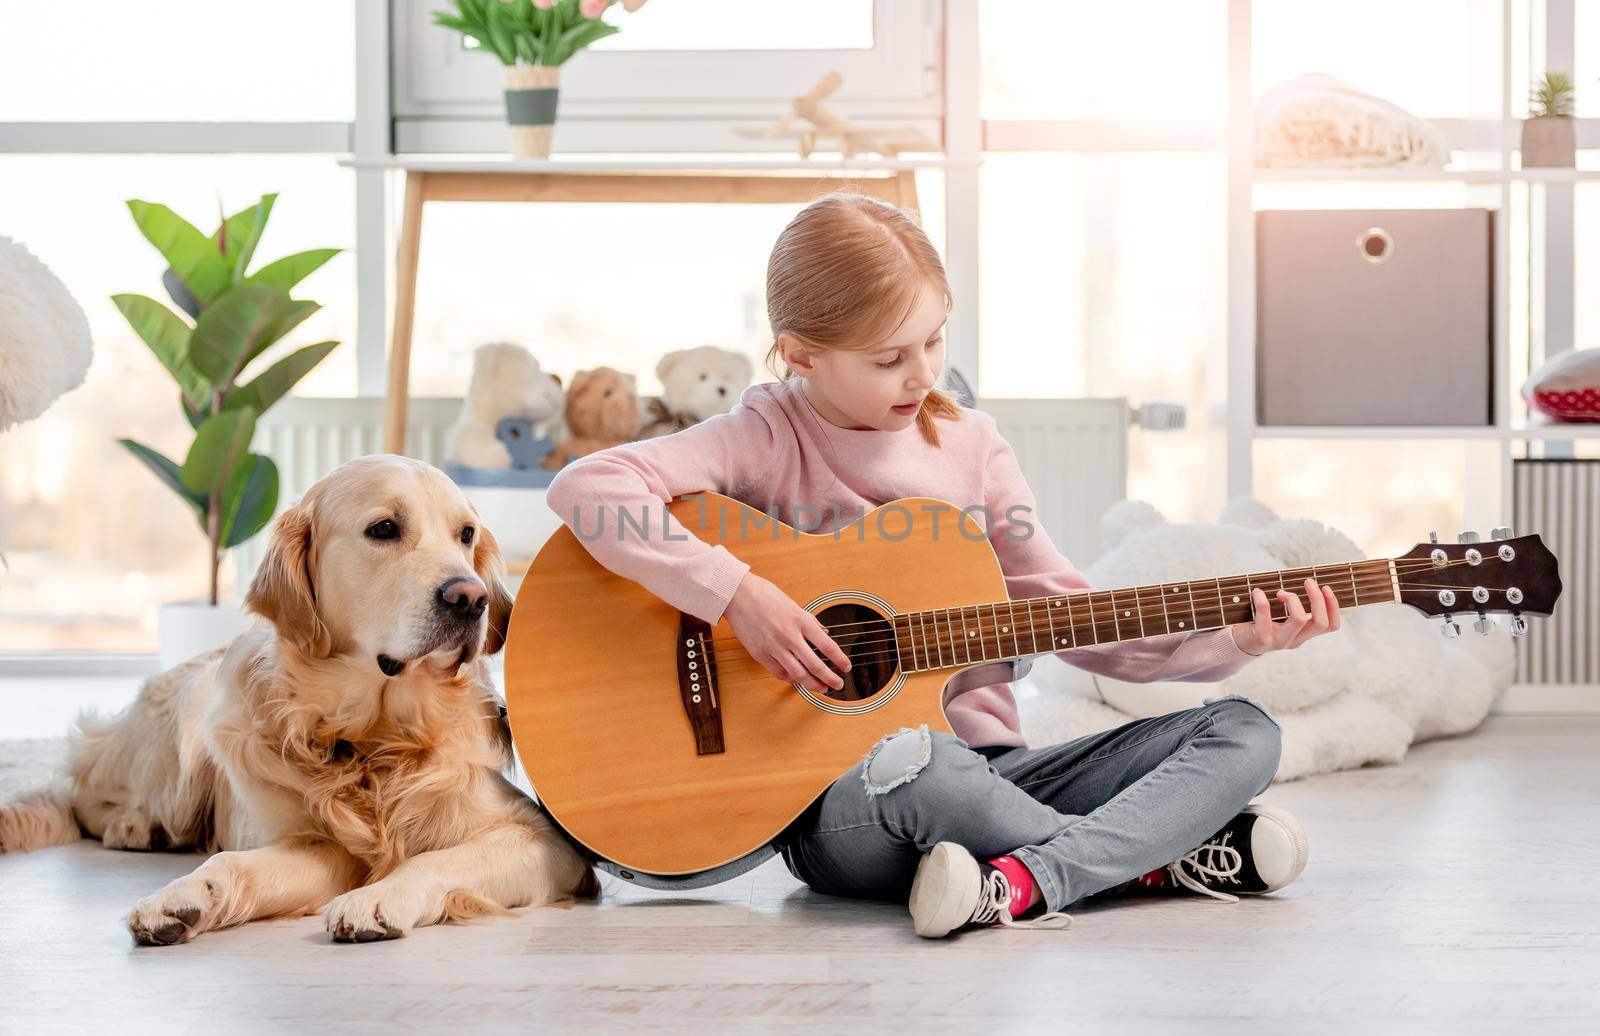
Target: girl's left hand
[{"x": 1262, "y": 634}]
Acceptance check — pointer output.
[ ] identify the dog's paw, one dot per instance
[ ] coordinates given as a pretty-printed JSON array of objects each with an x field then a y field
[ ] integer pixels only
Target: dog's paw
[
  {"x": 130, "y": 827},
  {"x": 364, "y": 915},
  {"x": 175, "y": 914}
]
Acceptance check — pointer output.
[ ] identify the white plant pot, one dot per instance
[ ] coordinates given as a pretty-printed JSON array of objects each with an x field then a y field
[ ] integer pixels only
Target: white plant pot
[{"x": 193, "y": 628}]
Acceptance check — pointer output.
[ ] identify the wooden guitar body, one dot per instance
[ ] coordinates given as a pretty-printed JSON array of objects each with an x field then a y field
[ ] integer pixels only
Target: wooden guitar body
[{"x": 607, "y": 731}]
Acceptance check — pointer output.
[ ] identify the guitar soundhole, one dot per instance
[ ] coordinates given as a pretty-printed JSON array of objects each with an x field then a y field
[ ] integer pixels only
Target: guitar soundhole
[{"x": 867, "y": 639}]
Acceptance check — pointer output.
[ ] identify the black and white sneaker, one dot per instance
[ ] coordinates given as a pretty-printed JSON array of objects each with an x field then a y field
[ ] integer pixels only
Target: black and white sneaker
[{"x": 1260, "y": 850}]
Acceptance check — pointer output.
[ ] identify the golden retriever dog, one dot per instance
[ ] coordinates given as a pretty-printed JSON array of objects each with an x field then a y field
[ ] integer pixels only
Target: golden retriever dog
[{"x": 346, "y": 755}]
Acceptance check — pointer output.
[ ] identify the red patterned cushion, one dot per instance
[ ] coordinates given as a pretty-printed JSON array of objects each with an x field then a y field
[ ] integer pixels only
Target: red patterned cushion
[{"x": 1567, "y": 388}]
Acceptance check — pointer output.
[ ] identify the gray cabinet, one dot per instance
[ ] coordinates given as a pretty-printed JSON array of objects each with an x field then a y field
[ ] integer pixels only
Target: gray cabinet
[{"x": 1374, "y": 317}]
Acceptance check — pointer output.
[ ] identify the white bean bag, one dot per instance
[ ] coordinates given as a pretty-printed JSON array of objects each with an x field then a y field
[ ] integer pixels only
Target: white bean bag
[
  {"x": 44, "y": 337},
  {"x": 1362, "y": 695}
]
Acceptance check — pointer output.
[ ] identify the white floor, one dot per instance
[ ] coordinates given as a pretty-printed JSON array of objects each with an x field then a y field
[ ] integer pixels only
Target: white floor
[{"x": 1454, "y": 893}]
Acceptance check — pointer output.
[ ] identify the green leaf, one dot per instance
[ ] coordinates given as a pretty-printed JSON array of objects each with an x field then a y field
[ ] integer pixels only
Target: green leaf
[
  {"x": 577, "y": 38},
  {"x": 273, "y": 383},
  {"x": 218, "y": 447},
  {"x": 234, "y": 328},
  {"x": 249, "y": 499},
  {"x": 168, "y": 337},
  {"x": 289, "y": 271},
  {"x": 499, "y": 34},
  {"x": 168, "y": 471},
  {"x": 196, "y": 414},
  {"x": 192, "y": 255},
  {"x": 294, "y": 314},
  {"x": 243, "y": 233}
]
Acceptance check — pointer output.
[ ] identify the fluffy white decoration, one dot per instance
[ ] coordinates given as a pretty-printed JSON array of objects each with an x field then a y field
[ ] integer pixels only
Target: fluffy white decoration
[
  {"x": 45, "y": 346},
  {"x": 1363, "y": 695},
  {"x": 507, "y": 381},
  {"x": 1316, "y": 120}
]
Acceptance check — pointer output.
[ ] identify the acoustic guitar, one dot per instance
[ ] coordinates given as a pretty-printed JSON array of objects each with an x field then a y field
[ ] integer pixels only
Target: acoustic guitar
[{"x": 662, "y": 747}]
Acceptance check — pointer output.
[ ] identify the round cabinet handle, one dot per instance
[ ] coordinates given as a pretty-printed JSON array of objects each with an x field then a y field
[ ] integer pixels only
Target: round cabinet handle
[{"x": 1375, "y": 244}]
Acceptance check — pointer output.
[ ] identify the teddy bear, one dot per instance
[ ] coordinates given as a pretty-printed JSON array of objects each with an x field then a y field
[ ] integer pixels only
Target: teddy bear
[
  {"x": 507, "y": 381},
  {"x": 602, "y": 411},
  {"x": 695, "y": 384},
  {"x": 1362, "y": 695}
]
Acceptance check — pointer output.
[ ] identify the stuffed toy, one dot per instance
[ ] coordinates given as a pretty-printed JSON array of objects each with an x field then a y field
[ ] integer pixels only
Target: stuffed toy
[
  {"x": 507, "y": 381},
  {"x": 45, "y": 345},
  {"x": 1362, "y": 695},
  {"x": 602, "y": 411},
  {"x": 695, "y": 384}
]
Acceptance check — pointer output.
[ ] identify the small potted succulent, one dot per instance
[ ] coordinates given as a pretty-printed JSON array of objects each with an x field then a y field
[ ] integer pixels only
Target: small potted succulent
[
  {"x": 1547, "y": 138},
  {"x": 532, "y": 39},
  {"x": 233, "y": 317}
]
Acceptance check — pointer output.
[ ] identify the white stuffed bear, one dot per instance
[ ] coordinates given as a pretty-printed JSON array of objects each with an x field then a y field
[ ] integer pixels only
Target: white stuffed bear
[
  {"x": 507, "y": 381},
  {"x": 1363, "y": 695},
  {"x": 695, "y": 384},
  {"x": 45, "y": 345}
]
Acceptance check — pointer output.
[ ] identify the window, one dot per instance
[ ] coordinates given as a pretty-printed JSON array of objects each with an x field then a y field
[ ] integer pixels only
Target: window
[
  {"x": 1077, "y": 60},
  {"x": 680, "y": 77},
  {"x": 93, "y": 541},
  {"x": 177, "y": 60}
]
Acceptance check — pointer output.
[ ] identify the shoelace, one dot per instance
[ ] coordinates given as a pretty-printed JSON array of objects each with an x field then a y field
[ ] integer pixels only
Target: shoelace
[
  {"x": 1217, "y": 860},
  {"x": 994, "y": 904}
]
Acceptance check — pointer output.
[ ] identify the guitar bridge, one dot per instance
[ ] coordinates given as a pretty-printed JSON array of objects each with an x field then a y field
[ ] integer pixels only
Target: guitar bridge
[{"x": 697, "y": 684}]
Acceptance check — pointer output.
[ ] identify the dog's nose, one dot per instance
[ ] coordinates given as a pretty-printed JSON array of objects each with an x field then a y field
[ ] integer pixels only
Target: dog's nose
[
  {"x": 463, "y": 598},
  {"x": 722, "y": 390}
]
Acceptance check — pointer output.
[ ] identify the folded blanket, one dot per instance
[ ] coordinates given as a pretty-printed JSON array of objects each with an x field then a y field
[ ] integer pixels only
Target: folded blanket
[{"x": 1316, "y": 120}]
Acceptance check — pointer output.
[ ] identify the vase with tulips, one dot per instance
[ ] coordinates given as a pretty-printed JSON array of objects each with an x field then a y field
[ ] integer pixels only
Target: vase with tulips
[{"x": 532, "y": 39}]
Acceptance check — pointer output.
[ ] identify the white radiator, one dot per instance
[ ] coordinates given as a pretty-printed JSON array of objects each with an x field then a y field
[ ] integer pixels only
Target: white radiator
[
  {"x": 1560, "y": 500},
  {"x": 1073, "y": 452}
]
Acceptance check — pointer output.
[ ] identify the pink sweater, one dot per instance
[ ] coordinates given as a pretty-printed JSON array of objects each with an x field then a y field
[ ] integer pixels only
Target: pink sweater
[{"x": 774, "y": 452}]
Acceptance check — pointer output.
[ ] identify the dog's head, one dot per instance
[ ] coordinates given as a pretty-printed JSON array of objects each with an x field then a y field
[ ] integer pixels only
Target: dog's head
[{"x": 386, "y": 559}]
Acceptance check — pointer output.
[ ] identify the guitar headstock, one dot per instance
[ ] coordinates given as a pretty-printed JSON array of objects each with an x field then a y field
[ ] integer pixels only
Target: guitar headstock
[{"x": 1503, "y": 574}]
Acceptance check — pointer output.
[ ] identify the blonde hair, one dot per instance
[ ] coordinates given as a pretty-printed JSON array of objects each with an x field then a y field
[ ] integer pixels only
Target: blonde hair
[{"x": 845, "y": 274}]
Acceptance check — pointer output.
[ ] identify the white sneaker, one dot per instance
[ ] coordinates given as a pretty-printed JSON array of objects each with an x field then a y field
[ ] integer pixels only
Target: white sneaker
[{"x": 953, "y": 890}]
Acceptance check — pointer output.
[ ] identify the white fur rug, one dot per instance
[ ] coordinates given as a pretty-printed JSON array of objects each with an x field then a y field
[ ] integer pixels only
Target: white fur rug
[{"x": 1364, "y": 695}]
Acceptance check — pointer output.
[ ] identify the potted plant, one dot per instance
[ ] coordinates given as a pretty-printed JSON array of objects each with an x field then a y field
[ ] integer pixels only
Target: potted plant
[
  {"x": 532, "y": 39},
  {"x": 234, "y": 316},
  {"x": 1547, "y": 132}
]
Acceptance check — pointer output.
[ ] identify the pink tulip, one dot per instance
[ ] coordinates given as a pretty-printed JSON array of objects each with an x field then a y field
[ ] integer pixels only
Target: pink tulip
[
  {"x": 593, "y": 8},
  {"x": 632, "y": 5},
  {"x": 544, "y": 5}
]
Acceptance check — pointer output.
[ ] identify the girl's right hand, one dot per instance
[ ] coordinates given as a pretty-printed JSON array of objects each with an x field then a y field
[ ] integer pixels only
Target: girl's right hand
[{"x": 783, "y": 636}]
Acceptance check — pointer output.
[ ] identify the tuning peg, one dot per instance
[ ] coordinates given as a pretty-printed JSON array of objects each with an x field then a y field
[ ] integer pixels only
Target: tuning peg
[
  {"x": 1450, "y": 630},
  {"x": 1502, "y": 532},
  {"x": 1484, "y": 625},
  {"x": 1433, "y": 537},
  {"x": 1519, "y": 626},
  {"x": 1467, "y": 536}
]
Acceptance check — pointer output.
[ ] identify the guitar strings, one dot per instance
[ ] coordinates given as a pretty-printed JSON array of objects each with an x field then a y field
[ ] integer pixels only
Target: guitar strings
[
  {"x": 942, "y": 646},
  {"x": 1377, "y": 580}
]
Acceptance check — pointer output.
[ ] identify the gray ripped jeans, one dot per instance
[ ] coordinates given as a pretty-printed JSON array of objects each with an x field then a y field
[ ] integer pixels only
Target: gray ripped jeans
[{"x": 1083, "y": 815}]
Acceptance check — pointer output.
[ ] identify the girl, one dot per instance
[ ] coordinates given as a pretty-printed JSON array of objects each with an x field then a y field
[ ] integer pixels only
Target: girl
[{"x": 973, "y": 828}]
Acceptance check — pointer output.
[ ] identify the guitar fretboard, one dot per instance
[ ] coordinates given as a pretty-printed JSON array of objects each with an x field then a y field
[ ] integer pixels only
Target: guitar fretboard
[{"x": 942, "y": 638}]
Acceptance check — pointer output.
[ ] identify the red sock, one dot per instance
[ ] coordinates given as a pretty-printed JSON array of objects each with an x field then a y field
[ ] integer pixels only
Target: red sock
[{"x": 1020, "y": 880}]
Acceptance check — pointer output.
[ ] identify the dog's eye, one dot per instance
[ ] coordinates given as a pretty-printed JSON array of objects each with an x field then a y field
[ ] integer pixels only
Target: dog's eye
[
  {"x": 704, "y": 377},
  {"x": 383, "y": 530},
  {"x": 466, "y": 535}
]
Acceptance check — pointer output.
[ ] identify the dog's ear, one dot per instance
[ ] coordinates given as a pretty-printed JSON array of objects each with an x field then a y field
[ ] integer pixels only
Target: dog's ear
[
  {"x": 281, "y": 591},
  {"x": 491, "y": 568}
]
